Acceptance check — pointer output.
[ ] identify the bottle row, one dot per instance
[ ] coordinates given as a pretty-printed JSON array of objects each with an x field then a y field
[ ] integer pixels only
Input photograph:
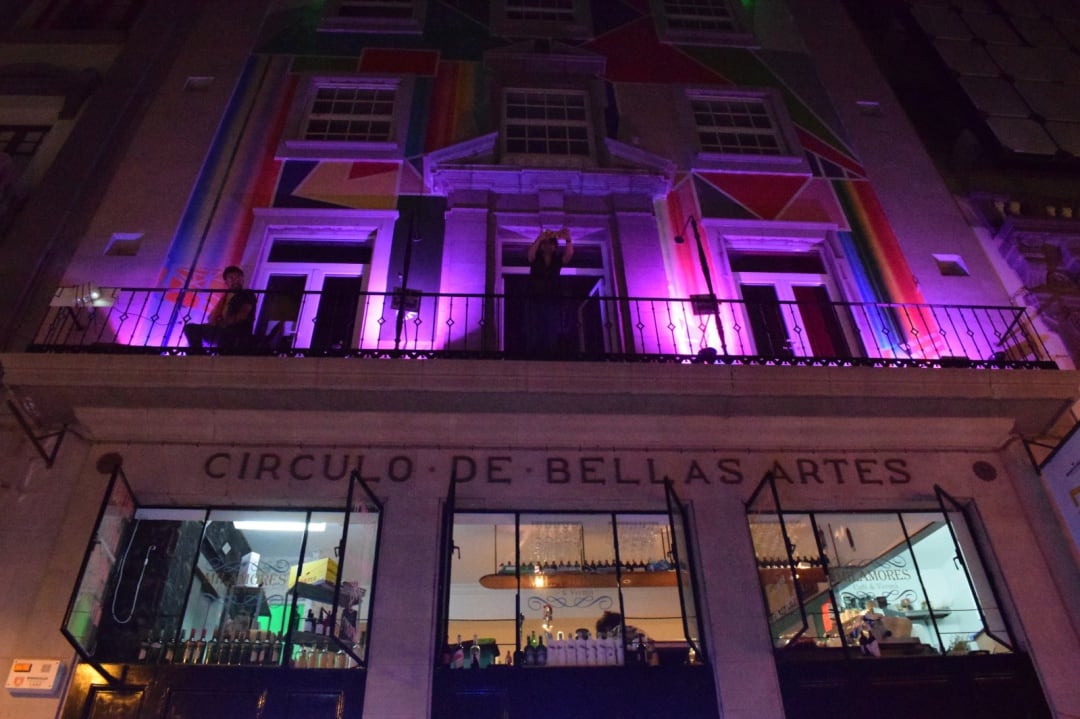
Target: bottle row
[
  {"x": 241, "y": 648},
  {"x": 253, "y": 647},
  {"x": 599, "y": 567},
  {"x": 560, "y": 651}
]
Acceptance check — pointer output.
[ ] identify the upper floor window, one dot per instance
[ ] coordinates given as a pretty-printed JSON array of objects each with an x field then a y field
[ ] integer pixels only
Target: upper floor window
[
  {"x": 699, "y": 14},
  {"x": 546, "y": 123},
  {"x": 700, "y": 22},
  {"x": 351, "y": 113},
  {"x": 557, "y": 10},
  {"x": 541, "y": 18},
  {"x": 404, "y": 16},
  {"x": 21, "y": 141},
  {"x": 349, "y": 117},
  {"x": 735, "y": 128},
  {"x": 740, "y": 125}
]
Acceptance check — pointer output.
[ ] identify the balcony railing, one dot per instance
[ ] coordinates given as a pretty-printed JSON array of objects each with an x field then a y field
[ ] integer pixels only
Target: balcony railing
[{"x": 633, "y": 329}]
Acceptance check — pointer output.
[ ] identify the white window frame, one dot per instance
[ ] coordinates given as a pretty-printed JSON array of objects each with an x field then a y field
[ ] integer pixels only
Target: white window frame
[
  {"x": 738, "y": 35},
  {"x": 271, "y": 225},
  {"x": 296, "y": 147},
  {"x": 790, "y": 158},
  {"x": 334, "y": 21},
  {"x": 547, "y": 159},
  {"x": 580, "y": 27},
  {"x": 791, "y": 238}
]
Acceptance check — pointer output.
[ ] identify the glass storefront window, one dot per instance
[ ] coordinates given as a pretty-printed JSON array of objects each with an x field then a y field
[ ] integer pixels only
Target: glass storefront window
[
  {"x": 564, "y": 589},
  {"x": 882, "y": 583},
  {"x": 226, "y": 587}
]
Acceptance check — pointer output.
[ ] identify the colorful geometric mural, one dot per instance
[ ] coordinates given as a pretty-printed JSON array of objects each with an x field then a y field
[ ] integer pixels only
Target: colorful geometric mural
[{"x": 452, "y": 103}]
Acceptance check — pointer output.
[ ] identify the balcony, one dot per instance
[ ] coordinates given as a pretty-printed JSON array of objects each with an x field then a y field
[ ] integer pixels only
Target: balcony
[{"x": 601, "y": 329}]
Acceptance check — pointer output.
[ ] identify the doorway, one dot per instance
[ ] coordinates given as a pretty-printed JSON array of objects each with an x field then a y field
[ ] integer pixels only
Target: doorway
[{"x": 576, "y": 319}]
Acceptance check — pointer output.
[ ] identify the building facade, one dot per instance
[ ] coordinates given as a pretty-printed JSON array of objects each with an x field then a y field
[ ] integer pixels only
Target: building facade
[{"x": 763, "y": 438}]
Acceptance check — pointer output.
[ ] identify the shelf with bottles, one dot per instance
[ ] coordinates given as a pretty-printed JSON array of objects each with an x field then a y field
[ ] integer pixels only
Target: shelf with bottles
[
  {"x": 253, "y": 647},
  {"x": 582, "y": 576},
  {"x": 325, "y": 638}
]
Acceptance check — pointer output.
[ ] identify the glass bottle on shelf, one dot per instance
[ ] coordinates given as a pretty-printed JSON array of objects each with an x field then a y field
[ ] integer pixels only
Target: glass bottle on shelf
[
  {"x": 474, "y": 653},
  {"x": 541, "y": 653},
  {"x": 257, "y": 647},
  {"x": 224, "y": 649},
  {"x": 156, "y": 644},
  {"x": 187, "y": 648},
  {"x": 212, "y": 646},
  {"x": 458, "y": 660},
  {"x": 199, "y": 649},
  {"x": 144, "y": 648}
]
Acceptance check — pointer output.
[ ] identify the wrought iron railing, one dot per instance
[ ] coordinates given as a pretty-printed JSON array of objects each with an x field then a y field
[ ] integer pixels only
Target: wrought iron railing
[{"x": 429, "y": 325}]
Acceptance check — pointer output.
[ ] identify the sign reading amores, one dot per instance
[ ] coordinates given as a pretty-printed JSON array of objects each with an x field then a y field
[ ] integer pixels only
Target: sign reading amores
[{"x": 567, "y": 468}]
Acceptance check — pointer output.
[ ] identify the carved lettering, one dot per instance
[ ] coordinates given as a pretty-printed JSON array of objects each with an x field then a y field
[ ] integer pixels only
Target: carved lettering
[
  {"x": 865, "y": 468},
  {"x": 400, "y": 469},
  {"x": 590, "y": 465},
  {"x": 558, "y": 470},
  {"x": 730, "y": 472},
  {"x": 837, "y": 465},
  {"x": 495, "y": 467},
  {"x": 456, "y": 473},
  {"x": 900, "y": 473},
  {"x": 695, "y": 472},
  {"x": 214, "y": 460},
  {"x": 619, "y": 476},
  {"x": 808, "y": 470},
  {"x": 268, "y": 463},
  {"x": 294, "y": 471}
]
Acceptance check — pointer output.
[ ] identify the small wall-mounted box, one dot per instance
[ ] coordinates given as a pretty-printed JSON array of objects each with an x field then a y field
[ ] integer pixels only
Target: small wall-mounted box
[{"x": 35, "y": 677}]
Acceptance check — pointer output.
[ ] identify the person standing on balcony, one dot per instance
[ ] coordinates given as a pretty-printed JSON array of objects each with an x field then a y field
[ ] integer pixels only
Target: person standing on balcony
[
  {"x": 232, "y": 319},
  {"x": 544, "y": 311}
]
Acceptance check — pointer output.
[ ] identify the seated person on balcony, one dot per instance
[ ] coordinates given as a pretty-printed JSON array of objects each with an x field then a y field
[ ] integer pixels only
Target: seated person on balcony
[
  {"x": 545, "y": 309},
  {"x": 231, "y": 320}
]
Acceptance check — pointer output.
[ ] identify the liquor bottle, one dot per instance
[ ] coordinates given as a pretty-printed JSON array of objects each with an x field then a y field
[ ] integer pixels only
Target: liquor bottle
[
  {"x": 168, "y": 648},
  {"x": 530, "y": 650},
  {"x": 610, "y": 654},
  {"x": 458, "y": 660},
  {"x": 541, "y": 653},
  {"x": 154, "y": 654},
  {"x": 325, "y": 625},
  {"x": 310, "y": 621},
  {"x": 272, "y": 652},
  {"x": 581, "y": 650},
  {"x": 212, "y": 648},
  {"x": 474, "y": 653},
  {"x": 279, "y": 646},
  {"x": 144, "y": 648},
  {"x": 199, "y": 651},
  {"x": 257, "y": 648},
  {"x": 225, "y": 649},
  {"x": 186, "y": 649},
  {"x": 242, "y": 653}
]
